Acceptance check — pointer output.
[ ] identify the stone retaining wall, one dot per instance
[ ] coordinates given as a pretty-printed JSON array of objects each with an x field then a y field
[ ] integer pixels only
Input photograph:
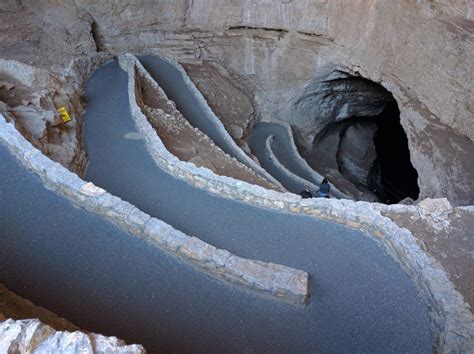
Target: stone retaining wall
[
  {"x": 266, "y": 278},
  {"x": 451, "y": 320}
]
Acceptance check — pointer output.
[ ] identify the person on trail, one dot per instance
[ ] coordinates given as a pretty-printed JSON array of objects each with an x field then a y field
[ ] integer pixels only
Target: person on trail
[
  {"x": 306, "y": 193},
  {"x": 324, "y": 189}
]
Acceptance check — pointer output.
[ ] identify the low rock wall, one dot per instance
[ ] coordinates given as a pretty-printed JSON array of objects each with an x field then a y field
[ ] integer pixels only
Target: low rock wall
[
  {"x": 267, "y": 278},
  {"x": 451, "y": 319}
]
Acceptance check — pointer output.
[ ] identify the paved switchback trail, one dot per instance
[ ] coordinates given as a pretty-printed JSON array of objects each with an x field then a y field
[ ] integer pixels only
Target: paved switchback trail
[
  {"x": 180, "y": 89},
  {"x": 360, "y": 297},
  {"x": 267, "y": 142},
  {"x": 361, "y": 300},
  {"x": 282, "y": 160}
]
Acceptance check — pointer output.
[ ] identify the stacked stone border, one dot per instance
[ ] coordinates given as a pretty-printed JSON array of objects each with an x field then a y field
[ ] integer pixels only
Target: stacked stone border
[
  {"x": 266, "y": 278},
  {"x": 452, "y": 323}
]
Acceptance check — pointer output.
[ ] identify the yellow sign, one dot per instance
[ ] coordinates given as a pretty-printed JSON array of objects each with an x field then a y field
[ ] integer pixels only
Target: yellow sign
[{"x": 64, "y": 115}]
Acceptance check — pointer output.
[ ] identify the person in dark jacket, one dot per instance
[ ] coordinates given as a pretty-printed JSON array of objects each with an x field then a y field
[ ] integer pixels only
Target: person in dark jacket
[
  {"x": 324, "y": 189},
  {"x": 306, "y": 193}
]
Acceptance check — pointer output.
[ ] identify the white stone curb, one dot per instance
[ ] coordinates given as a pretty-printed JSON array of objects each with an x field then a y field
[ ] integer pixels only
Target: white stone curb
[
  {"x": 452, "y": 322},
  {"x": 267, "y": 278}
]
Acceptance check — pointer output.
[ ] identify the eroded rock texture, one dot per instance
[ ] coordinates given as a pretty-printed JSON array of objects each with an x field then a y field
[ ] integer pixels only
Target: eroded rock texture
[
  {"x": 14, "y": 306},
  {"x": 31, "y": 336},
  {"x": 280, "y": 53}
]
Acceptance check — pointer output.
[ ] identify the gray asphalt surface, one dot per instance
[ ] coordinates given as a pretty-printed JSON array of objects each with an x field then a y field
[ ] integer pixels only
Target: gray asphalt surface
[
  {"x": 171, "y": 81},
  {"x": 281, "y": 148},
  {"x": 273, "y": 165},
  {"x": 106, "y": 281}
]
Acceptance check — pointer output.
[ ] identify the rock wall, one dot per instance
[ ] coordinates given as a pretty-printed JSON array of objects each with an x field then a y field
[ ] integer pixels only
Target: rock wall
[
  {"x": 45, "y": 33},
  {"x": 419, "y": 51},
  {"x": 32, "y": 336},
  {"x": 18, "y": 308},
  {"x": 31, "y": 96},
  {"x": 49, "y": 333},
  {"x": 274, "y": 51}
]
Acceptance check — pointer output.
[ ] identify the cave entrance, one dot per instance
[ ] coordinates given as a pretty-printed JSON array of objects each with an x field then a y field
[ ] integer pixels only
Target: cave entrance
[
  {"x": 395, "y": 177},
  {"x": 360, "y": 144}
]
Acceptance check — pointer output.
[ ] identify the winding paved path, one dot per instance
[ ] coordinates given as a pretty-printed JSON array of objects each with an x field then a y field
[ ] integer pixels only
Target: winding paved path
[
  {"x": 107, "y": 281},
  {"x": 280, "y": 159},
  {"x": 181, "y": 90},
  {"x": 261, "y": 142}
]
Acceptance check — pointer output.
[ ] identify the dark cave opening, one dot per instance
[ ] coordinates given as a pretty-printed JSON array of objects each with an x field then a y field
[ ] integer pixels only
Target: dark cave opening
[
  {"x": 397, "y": 176},
  {"x": 362, "y": 147}
]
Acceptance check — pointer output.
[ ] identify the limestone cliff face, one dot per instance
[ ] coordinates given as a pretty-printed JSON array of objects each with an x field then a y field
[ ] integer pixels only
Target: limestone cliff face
[
  {"x": 276, "y": 50},
  {"x": 279, "y": 53},
  {"x": 46, "y": 32}
]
